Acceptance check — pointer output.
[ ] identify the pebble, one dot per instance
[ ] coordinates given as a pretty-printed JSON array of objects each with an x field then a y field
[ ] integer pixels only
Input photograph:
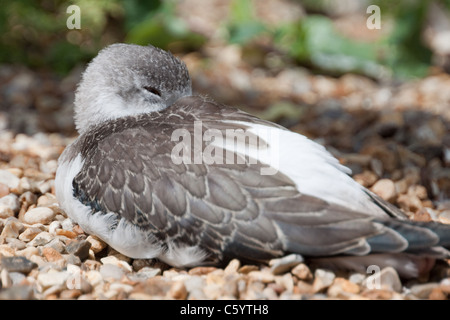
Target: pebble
[
  {"x": 42, "y": 215},
  {"x": 15, "y": 243},
  {"x": 445, "y": 285},
  {"x": 233, "y": 266},
  {"x": 6, "y": 251},
  {"x": 18, "y": 264},
  {"x": 11, "y": 201},
  {"x": 5, "y": 279},
  {"x": 264, "y": 276},
  {"x": 97, "y": 245},
  {"x": 386, "y": 279},
  {"x": 41, "y": 239},
  {"x": 437, "y": 294},
  {"x": 9, "y": 179},
  {"x": 22, "y": 292},
  {"x": 116, "y": 262},
  {"x": 247, "y": 269},
  {"x": 343, "y": 288},
  {"x": 110, "y": 271},
  {"x": 57, "y": 245},
  {"x": 54, "y": 225},
  {"x": 66, "y": 233},
  {"x": 385, "y": 189},
  {"x": 422, "y": 291},
  {"x": 29, "y": 234},
  {"x": 51, "y": 254},
  {"x": 5, "y": 212},
  {"x": 178, "y": 291},
  {"x": 285, "y": 263},
  {"x": 144, "y": 274},
  {"x": 4, "y": 190},
  {"x": 197, "y": 271},
  {"x": 52, "y": 278},
  {"x": 12, "y": 228},
  {"x": 16, "y": 277},
  {"x": 70, "y": 294},
  {"x": 79, "y": 248},
  {"x": 322, "y": 279},
  {"x": 302, "y": 272}
]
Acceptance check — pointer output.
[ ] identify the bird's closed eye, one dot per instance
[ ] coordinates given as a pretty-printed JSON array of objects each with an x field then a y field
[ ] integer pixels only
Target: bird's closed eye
[{"x": 153, "y": 90}]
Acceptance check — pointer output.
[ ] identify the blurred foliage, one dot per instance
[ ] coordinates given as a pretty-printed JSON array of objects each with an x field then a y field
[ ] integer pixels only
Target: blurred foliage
[
  {"x": 402, "y": 52},
  {"x": 34, "y": 32},
  {"x": 314, "y": 41},
  {"x": 242, "y": 25},
  {"x": 156, "y": 23}
]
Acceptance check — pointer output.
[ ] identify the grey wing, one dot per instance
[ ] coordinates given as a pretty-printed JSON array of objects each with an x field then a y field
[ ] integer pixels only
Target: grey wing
[{"x": 227, "y": 210}]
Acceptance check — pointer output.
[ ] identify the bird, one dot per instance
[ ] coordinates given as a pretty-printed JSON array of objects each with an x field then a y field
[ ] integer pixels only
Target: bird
[{"x": 160, "y": 173}]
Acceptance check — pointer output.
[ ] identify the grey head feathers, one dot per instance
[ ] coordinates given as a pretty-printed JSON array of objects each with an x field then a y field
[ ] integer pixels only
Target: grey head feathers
[{"x": 127, "y": 79}]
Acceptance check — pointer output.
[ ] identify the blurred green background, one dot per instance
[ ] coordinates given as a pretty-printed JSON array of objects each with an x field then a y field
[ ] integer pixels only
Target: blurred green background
[{"x": 34, "y": 33}]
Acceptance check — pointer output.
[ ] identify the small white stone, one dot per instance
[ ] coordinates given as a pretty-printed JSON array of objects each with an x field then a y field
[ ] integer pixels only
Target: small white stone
[
  {"x": 322, "y": 279},
  {"x": 67, "y": 224},
  {"x": 5, "y": 211},
  {"x": 9, "y": 179},
  {"x": 94, "y": 277},
  {"x": 387, "y": 278},
  {"x": 5, "y": 278},
  {"x": 110, "y": 271},
  {"x": 12, "y": 201},
  {"x": 54, "y": 225},
  {"x": 39, "y": 215},
  {"x": 117, "y": 286},
  {"x": 116, "y": 262},
  {"x": 284, "y": 264},
  {"x": 49, "y": 279}
]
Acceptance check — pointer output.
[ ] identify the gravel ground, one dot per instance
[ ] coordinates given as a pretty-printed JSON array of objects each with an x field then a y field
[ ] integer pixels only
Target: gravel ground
[{"x": 395, "y": 138}]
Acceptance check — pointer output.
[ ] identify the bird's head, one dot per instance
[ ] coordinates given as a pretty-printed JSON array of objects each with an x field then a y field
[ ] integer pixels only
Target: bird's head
[{"x": 127, "y": 79}]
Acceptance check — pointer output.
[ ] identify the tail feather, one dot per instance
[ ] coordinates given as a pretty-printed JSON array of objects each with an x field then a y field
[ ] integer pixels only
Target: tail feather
[{"x": 417, "y": 235}]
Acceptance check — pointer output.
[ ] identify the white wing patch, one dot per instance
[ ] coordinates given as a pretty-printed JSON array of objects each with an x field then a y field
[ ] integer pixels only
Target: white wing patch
[{"x": 312, "y": 168}]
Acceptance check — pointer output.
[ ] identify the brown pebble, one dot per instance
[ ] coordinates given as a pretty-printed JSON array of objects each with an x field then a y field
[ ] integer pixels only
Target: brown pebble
[
  {"x": 4, "y": 190},
  {"x": 66, "y": 233},
  {"x": 422, "y": 215},
  {"x": 233, "y": 266},
  {"x": 378, "y": 294},
  {"x": 178, "y": 291},
  {"x": 445, "y": 285},
  {"x": 70, "y": 294},
  {"x": 342, "y": 286},
  {"x": 303, "y": 287},
  {"x": 385, "y": 188},
  {"x": 29, "y": 234},
  {"x": 437, "y": 294},
  {"x": 77, "y": 229},
  {"x": 302, "y": 272},
  {"x": 409, "y": 202},
  {"x": 51, "y": 254},
  {"x": 198, "y": 271},
  {"x": 247, "y": 268},
  {"x": 97, "y": 244},
  {"x": 366, "y": 178}
]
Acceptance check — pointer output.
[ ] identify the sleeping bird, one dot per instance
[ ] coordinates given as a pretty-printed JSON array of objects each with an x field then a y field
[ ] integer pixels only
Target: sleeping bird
[{"x": 157, "y": 172}]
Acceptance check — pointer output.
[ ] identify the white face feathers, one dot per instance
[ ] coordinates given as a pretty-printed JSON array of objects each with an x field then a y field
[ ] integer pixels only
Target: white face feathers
[{"x": 127, "y": 80}]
